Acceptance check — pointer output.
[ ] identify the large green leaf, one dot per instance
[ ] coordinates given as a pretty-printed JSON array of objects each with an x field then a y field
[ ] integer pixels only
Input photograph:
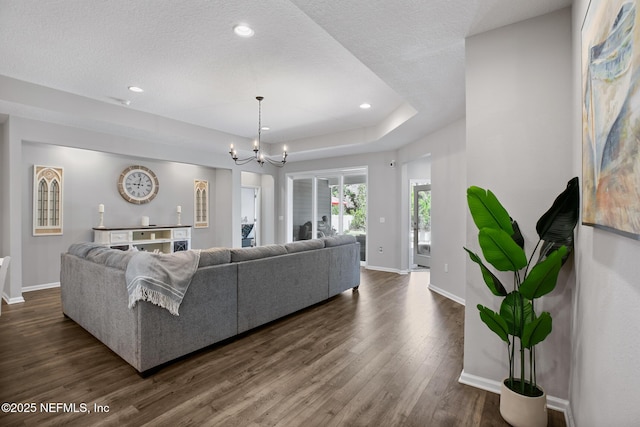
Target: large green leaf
[
  {"x": 486, "y": 210},
  {"x": 517, "y": 234},
  {"x": 493, "y": 283},
  {"x": 543, "y": 276},
  {"x": 548, "y": 247},
  {"x": 500, "y": 250},
  {"x": 496, "y": 323},
  {"x": 557, "y": 224},
  {"x": 536, "y": 331},
  {"x": 517, "y": 311}
]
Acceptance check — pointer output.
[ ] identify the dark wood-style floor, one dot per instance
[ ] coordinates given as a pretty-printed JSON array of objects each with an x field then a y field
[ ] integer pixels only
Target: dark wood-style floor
[{"x": 389, "y": 355}]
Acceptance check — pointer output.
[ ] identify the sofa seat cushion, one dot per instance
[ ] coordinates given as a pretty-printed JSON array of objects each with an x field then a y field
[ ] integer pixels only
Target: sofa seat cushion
[
  {"x": 214, "y": 256},
  {"x": 304, "y": 245},
  {"x": 248, "y": 254},
  {"x": 340, "y": 240}
]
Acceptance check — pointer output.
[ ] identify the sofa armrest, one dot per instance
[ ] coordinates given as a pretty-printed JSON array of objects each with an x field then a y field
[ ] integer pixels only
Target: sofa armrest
[{"x": 95, "y": 296}]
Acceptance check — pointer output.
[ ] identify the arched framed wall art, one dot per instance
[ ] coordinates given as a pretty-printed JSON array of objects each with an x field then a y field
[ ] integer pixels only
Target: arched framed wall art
[
  {"x": 200, "y": 203},
  {"x": 48, "y": 183}
]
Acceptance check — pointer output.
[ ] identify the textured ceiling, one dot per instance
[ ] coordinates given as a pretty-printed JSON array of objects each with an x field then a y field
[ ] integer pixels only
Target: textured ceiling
[{"x": 314, "y": 62}]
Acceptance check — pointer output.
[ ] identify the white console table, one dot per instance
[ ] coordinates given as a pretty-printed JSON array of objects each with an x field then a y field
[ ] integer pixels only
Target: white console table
[{"x": 164, "y": 238}]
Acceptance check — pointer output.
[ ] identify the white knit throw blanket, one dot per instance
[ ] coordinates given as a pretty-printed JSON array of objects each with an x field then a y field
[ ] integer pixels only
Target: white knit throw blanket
[{"x": 161, "y": 279}]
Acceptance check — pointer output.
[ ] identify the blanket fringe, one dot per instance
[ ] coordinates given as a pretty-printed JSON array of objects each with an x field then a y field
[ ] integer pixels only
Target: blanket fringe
[{"x": 140, "y": 293}]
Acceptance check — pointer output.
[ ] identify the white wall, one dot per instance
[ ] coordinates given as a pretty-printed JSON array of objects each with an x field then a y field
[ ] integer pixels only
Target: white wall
[
  {"x": 518, "y": 94},
  {"x": 605, "y": 349}
]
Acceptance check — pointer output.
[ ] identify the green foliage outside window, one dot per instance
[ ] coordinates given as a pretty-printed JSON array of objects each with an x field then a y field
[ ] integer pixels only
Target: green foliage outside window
[
  {"x": 355, "y": 204},
  {"x": 424, "y": 210}
]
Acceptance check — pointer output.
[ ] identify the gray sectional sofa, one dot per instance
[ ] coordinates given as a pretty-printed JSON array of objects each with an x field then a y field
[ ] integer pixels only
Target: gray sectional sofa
[{"x": 232, "y": 291}]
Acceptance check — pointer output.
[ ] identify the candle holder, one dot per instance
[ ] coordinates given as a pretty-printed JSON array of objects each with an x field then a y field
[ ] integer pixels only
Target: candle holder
[{"x": 101, "y": 224}]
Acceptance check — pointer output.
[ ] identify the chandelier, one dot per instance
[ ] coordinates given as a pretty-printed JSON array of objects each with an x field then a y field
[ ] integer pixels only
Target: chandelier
[{"x": 258, "y": 156}]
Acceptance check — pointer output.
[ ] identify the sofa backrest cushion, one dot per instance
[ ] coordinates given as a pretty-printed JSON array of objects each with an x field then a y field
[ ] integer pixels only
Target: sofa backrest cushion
[
  {"x": 214, "y": 256},
  {"x": 101, "y": 254},
  {"x": 111, "y": 258},
  {"x": 248, "y": 254},
  {"x": 343, "y": 239},
  {"x": 304, "y": 245}
]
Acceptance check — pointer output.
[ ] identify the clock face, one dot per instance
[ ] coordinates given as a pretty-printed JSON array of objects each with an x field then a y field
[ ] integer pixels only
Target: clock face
[{"x": 138, "y": 184}]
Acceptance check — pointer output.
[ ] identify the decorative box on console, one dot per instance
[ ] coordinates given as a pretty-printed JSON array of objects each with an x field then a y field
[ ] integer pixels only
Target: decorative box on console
[{"x": 161, "y": 238}]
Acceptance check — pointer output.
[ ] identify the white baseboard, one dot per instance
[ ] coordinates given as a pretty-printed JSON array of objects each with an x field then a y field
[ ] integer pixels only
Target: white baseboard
[
  {"x": 20, "y": 299},
  {"x": 41, "y": 287},
  {"x": 555, "y": 403},
  {"x": 446, "y": 294},
  {"x": 386, "y": 269},
  {"x": 479, "y": 382},
  {"x": 8, "y": 300}
]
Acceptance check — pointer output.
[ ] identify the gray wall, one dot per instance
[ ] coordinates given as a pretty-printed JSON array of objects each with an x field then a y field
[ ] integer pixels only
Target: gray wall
[
  {"x": 448, "y": 200},
  {"x": 90, "y": 178},
  {"x": 4, "y": 177},
  {"x": 605, "y": 349},
  {"x": 105, "y": 154},
  {"x": 388, "y": 193},
  {"x": 518, "y": 81}
]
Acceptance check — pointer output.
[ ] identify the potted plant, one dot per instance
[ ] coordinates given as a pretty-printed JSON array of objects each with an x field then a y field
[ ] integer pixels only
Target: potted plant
[{"x": 517, "y": 323}]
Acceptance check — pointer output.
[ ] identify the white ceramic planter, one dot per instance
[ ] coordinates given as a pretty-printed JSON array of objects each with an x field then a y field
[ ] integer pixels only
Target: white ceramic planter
[{"x": 523, "y": 411}]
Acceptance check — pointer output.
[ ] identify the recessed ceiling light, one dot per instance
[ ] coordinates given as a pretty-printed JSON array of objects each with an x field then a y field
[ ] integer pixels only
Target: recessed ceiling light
[
  {"x": 365, "y": 106},
  {"x": 136, "y": 89},
  {"x": 243, "y": 30}
]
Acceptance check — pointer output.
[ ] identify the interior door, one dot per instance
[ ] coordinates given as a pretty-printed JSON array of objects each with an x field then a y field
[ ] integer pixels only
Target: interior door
[{"x": 422, "y": 225}]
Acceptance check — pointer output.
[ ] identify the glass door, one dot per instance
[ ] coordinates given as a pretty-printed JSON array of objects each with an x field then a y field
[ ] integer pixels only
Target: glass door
[
  {"x": 422, "y": 225},
  {"x": 302, "y": 208},
  {"x": 328, "y": 203}
]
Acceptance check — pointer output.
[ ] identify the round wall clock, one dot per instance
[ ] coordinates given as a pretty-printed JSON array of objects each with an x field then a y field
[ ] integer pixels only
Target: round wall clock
[{"x": 138, "y": 184}]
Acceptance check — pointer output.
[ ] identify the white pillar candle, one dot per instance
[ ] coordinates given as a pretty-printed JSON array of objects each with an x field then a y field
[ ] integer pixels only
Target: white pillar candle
[
  {"x": 101, "y": 208},
  {"x": 145, "y": 221},
  {"x": 179, "y": 209}
]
